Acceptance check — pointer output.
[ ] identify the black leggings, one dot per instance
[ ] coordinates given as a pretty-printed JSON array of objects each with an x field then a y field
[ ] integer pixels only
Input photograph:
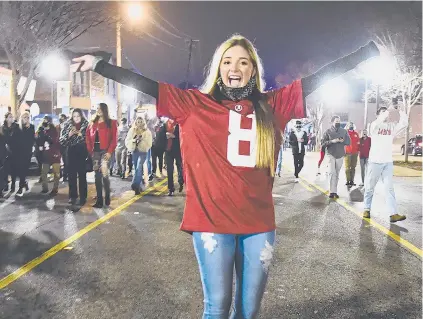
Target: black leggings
[
  {"x": 157, "y": 153},
  {"x": 77, "y": 172}
]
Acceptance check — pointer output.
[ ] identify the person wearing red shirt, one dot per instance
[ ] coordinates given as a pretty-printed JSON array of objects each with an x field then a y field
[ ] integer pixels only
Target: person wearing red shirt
[
  {"x": 230, "y": 138},
  {"x": 101, "y": 140},
  {"x": 351, "y": 154},
  {"x": 365, "y": 144}
]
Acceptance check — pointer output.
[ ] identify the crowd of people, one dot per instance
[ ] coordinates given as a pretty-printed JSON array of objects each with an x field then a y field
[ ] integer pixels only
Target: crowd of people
[{"x": 76, "y": 147}]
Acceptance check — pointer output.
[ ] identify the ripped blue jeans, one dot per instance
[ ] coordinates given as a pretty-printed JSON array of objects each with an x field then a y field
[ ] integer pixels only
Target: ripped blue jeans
[{"x": 217, "y": 254}]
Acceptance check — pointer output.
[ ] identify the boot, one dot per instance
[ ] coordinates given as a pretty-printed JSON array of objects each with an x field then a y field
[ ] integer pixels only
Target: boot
[{"x": 99, "y": 189}]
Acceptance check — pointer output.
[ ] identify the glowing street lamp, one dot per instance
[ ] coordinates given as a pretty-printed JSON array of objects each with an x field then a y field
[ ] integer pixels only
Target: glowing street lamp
[
  {"x": 334, "y": 91},
  {"x": 53, "y": 67},
  {"x": 381, "y": 71},
  {"x": 135, "y": 11}
]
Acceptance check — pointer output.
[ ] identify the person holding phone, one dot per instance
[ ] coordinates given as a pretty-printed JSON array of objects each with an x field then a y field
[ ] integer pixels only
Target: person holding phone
[
  {"x": 335, "y": 139},
  {"x": 138, "y": 142},
  {"x": 73, "y": 138}
]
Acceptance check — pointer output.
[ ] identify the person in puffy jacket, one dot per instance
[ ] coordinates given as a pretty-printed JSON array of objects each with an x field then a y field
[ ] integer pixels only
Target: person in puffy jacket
[
  {"x": 48, "y": 144},
  {"x": 351, "y": 154},
  {"x": 138, "y": 142}
]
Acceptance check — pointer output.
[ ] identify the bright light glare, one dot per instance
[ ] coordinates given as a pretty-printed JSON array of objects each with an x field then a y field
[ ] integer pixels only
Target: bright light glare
[
  {"x": 129, "y": 94},
  {"x": 380, "y": 70},
  {"x": 335, "y": 91},
  {"x": 135, "y": 11},
  {"x": 53, "y": 67}
]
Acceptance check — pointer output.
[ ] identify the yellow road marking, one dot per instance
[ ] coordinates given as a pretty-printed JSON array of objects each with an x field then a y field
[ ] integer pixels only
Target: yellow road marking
[
  {"x": 306, "y": 186},
  {"x": 386, "y": 231},
  {"x": 55, "y": 249}
]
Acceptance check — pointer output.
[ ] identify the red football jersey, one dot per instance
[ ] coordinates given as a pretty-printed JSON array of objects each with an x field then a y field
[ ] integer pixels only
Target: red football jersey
[{"x": 225, "y": 192}]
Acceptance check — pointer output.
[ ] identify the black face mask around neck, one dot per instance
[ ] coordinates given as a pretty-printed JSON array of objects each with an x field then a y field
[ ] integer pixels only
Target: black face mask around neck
[
  {"x": 337, "y": 125},
  {"x": 237, "y": 94}
]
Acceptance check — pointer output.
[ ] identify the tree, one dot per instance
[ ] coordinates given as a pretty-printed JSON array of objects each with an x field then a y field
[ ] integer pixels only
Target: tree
[
  {"x": 29, "y": 31},
  {"x": 400, "y": 38},
  {"x": 316, "y": 112},
  {"x": 405, "y": 88}
]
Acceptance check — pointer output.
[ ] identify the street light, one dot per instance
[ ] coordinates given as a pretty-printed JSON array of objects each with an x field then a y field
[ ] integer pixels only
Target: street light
[
  {"x": 135, "y": 12},
  {"x": 53, "y": 67},
  {"x": 334, "y": 91},
  {"x": 380, "y": 71}
]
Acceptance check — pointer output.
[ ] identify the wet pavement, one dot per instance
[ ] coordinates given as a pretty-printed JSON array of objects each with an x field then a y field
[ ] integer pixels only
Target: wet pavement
[{"x": 328, "y": 262}]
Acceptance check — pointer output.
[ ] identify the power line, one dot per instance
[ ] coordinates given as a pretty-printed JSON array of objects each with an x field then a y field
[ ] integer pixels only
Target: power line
[
  {"x": 157, "y": 24},
  {"x": 171, "y": 25}
]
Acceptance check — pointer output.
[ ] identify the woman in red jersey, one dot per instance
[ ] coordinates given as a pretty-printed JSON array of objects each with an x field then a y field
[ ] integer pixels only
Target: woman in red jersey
[{"x": 230, "y": 139}]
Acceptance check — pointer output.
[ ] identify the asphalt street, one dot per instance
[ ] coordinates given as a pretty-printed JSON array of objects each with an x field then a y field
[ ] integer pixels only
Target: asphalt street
[{"x": 328, "y": 262}]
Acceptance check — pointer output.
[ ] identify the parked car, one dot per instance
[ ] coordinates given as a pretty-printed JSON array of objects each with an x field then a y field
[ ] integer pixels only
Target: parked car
[{"x": 414, "y": 146}]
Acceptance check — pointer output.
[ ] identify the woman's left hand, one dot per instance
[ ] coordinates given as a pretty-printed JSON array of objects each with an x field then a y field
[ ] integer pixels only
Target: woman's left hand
[{"x": 107, "y": 156}]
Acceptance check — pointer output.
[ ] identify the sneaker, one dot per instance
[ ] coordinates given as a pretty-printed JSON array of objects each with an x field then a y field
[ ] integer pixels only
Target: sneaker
[
  {"x": 98, "y": 204},
  {"x": 348, "y": 183},
  {"x": 352, "y": 183},
  {"x": 336, "y": 195},
  {"x": 361, "y": 184},
  {"x": 151, "y": 177},
  {"x": 332, "y": 195},
  {"x": 170, "y": 193},
  {"x": 397, "y": 218},
  {"x": 20, "y": 192},
  {"x": 366, "y": 214},
  {"x": 297, "y": 180}
]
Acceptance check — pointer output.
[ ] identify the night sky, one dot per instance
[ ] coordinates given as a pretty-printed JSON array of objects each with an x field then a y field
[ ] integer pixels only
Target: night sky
[{"x": 283, "y": 32}]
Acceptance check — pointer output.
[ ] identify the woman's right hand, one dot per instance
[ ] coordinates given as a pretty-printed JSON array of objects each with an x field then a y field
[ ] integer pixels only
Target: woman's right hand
[{"x": 87, "y": 63}]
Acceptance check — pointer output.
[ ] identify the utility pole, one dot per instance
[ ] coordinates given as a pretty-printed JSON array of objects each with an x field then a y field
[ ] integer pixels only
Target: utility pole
[
  {"x": 119, "y": 64},
  {"x": 191, "y": 46}
]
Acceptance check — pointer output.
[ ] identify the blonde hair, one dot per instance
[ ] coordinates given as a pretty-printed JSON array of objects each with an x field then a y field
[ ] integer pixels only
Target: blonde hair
[
  {"x": 20, "y": 119},
  {"x": 139, "y": 129},
  {"x": 265, "y": 155}
]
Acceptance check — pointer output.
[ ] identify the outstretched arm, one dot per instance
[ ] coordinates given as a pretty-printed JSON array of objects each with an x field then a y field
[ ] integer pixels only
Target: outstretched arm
[
  {"x": 129, "y": 78},
  {"x": 115, "y": 73},
  {"x": 336, "y": 68}
]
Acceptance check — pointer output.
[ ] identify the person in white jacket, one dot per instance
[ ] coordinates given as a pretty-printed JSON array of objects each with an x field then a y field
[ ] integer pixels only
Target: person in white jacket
[
  {"x": 380, "y": 162},
  {"x": 138, "y": 142}
]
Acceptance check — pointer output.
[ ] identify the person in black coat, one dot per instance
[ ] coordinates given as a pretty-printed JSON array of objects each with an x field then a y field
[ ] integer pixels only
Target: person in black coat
[
  {"x": 11, "y": 132},
  {"x": 298, "y": 140},
  {"x": 26, "y": 145},
  {"x": 173, "y": 155},
  {"x": 3, "y": 158},
  {"x": 158, "y": 149}
]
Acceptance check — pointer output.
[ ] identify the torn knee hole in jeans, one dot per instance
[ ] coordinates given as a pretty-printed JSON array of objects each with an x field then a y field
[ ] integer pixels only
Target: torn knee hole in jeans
[
  {"x": 266, "y": 256},
  {"x": 104, "y": 168},
  {"x": 209, "y": 242}
]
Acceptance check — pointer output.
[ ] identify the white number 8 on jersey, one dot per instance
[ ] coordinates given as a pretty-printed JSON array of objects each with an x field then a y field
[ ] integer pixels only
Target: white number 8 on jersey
[{"x": 237, "y": 134}]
